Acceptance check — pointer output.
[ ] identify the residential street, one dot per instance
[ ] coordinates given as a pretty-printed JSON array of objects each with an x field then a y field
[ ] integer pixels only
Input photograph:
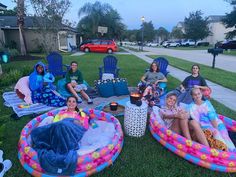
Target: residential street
[{"x": 224, "y": 62}]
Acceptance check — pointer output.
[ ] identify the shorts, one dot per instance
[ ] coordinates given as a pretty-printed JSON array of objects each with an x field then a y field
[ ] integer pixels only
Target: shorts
[{"x": 80, "y": 87}]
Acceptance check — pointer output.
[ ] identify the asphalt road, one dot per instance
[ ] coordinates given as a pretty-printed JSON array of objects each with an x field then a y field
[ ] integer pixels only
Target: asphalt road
[{"x": 224, "y": 62}]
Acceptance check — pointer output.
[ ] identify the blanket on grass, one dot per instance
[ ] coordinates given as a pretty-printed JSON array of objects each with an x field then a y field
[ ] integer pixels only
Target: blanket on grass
[
  {"x": 20, "y": 107},
  {"x": 57, "y": 145}
]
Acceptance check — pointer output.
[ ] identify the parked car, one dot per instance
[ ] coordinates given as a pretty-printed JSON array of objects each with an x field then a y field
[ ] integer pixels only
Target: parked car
[
  {"x": 165, "y": 44},
  {"x": 228, "y": 45},
  {"x": 152, "y": 44},
  {"x": 99, "y": 45},
  {"x": 170, "y": 44},
  {"x": 188, "y": 42},
  {"x": 202, "y": 43}
]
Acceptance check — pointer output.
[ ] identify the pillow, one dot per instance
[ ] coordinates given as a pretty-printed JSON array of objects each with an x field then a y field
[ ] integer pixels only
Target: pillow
[
  {"x": 105, "y": 88},
  {"x": 120, "y": 86},
  {"x": 22, "y": 86},
  {"x": 156, "y": 111},
  {"x": 106, "y": 76}
]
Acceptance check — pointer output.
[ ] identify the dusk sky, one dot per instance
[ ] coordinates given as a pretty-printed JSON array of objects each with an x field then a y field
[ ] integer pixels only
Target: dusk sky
[{"x": 166, "y": 13}]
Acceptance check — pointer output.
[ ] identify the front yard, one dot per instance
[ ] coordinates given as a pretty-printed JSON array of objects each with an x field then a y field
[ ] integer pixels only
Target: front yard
[{"x": 140, "y": 156}]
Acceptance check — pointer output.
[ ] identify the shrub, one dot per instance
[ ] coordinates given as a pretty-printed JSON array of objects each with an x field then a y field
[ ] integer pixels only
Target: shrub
[
  {"x": 13, "y": 52},
  {"x": 10, "y": 78},
  {"x": 26, "y": 70}
]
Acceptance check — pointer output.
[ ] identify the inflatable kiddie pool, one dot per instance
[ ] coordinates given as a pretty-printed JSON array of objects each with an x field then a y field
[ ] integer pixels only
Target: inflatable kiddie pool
[
  {"x": 192, "y": 151},
  {"x": 87, "y": 164}
]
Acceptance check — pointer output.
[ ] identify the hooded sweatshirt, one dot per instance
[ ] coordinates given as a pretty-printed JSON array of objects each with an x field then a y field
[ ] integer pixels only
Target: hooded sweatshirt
[{"x": 35, "y": 79}]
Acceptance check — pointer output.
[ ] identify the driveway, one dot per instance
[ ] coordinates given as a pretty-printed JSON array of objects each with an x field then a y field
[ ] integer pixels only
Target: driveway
[{"x": 224, "y": 62}]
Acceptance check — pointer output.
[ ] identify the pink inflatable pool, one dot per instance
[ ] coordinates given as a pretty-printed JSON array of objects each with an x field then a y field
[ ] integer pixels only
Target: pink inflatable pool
[{"x": 86, "y": 164}]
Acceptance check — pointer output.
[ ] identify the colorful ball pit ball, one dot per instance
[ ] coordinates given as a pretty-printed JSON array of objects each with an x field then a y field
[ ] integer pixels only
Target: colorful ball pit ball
[
  {"x": 192, "y": 151},
  {"x": 87, "y": 164}
]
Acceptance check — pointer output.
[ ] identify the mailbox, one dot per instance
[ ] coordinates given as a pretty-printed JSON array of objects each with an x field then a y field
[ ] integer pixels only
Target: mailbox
[{"x": 215, "y": 51}]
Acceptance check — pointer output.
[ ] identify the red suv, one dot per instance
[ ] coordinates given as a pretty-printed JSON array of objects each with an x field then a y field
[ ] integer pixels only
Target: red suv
[{"x": 99, "y": 45}]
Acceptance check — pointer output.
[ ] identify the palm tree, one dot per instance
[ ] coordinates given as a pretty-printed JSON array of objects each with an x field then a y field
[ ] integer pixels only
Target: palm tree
[
  {"x": 20, "y": 22},
  {"x": 98, "y": 14}
]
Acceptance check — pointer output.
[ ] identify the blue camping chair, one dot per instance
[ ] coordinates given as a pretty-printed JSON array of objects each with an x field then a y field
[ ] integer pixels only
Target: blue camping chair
[
  {"x": 55, "y": 65},
  {"x": 163, "y": 64},
  {"x": 109, "y": 66}
]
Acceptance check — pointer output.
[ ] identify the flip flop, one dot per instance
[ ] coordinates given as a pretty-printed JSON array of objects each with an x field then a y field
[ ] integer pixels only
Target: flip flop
[
  {"x": 1, "y": 153},
  {"x": 4, "y": 167}
]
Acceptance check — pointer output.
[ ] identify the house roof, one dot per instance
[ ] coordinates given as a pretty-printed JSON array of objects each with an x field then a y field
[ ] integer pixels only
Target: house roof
[
  {"x": 10, "y": 22},
  {"x": 215, "y": 18},
  {"x": 2, "y": 5}
]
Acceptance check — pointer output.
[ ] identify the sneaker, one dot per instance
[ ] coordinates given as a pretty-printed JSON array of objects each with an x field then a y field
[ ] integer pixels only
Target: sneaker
[
  {"x": 90, "y": 101},
  {"x": 4, "y": 167}
]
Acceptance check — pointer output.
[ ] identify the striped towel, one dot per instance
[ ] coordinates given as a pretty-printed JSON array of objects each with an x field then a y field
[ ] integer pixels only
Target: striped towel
[{"x": 20, "y": 107}]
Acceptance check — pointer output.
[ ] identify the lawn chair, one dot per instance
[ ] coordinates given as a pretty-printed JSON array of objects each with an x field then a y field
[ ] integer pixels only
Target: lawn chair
[
  {"x": 55, "y": 65},
  {"x": 109, "y": 66},
  {"x": 163, "y": 64}
]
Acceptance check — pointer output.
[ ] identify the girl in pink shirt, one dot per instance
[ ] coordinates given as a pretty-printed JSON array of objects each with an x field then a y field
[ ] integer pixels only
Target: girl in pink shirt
[{"x": 72, "y": 111}]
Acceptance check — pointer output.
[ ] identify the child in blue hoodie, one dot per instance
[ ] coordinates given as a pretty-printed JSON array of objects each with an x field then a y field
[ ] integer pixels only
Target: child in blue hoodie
[{"x": 41, "y": 90}]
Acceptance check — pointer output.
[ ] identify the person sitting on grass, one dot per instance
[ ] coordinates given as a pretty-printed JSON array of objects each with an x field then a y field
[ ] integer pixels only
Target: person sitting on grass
[
  {"x": 74, "y": 80},
  {"x": 177, "y": 120},
  {"x": 149, "y": 86},
  {"x": 41, "y": 87}
]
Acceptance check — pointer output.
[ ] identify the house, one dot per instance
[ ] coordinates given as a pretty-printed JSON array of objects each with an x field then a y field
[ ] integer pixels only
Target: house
[
  {"x": 2, "y": 8},
  {"x": 217, "y": 28},
  {"x": 34, "y": 38}
]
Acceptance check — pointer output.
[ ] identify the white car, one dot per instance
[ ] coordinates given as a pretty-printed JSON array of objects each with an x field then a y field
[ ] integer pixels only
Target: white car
[
  {"x": 152, "y": 44},
  {"x": 174, "y": 44},
  {"x": 188, "y": 42},
  {"x": 170, "y": 44}
]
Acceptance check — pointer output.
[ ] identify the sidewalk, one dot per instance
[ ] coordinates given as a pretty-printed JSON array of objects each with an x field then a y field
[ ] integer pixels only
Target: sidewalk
[
  {"x": 221, "y": 94},
  {"x": 225, "y": 62}
]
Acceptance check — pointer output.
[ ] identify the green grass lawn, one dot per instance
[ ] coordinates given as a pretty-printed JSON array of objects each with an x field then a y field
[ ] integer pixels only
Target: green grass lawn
[
  {"x": 230, "y": 52},
  {"x": 192, "y": 48},
  {"x": 135, "y": 49},
  {"x": 139, "y": 157},
  {"x": 222, "y": 77}
]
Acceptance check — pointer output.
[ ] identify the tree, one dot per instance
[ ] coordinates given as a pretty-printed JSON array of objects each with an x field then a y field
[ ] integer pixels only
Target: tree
[
  {"x": 196, "y": 27},
  {"x": 230, "y": 20},
  {"x": 162, "y": 33},
  {"x": 177, "y": 33},
  {"x": 148, "y": 31},
  {"x": 48, "y": 20},
  {"x": 20, "y": 22},
  {"x": 98, "y": 14}
]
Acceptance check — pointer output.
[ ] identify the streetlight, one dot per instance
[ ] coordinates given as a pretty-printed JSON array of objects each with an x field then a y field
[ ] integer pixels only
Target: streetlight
[{"x": 142, "y": 20}]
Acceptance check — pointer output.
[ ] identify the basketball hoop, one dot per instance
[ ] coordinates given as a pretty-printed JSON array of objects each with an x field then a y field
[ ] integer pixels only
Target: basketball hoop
[{"x": 102, "y": 29}]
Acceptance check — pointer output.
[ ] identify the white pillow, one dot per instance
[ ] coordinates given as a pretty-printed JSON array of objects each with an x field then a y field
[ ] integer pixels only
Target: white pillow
[
  {"x": 156, "y": 110},
  {"x": 106, "y": 76},
  {"x": 46, "y": 121}
]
